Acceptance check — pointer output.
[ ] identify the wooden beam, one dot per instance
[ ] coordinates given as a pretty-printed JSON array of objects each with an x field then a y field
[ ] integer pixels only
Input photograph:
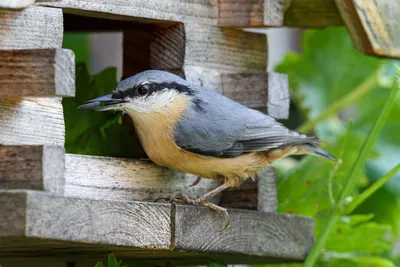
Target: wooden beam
[
  {"x": 31, "y": 28},
  {"x": 127, "y": 180},
  {"x": 32, "y": 167},
  {"x": 250, "y": 13},
  {"x": 275, "y": 235},
  {"x": 40, "y": 224},
  {"x": 373, "y": 25},
  {"x": 311, "y": 13},
  {"x": 39, "y": 72},
  {"x": 31, "y": 121},
  {"x": 197, "y": 11},
  {"x": 181, "y": 46}
]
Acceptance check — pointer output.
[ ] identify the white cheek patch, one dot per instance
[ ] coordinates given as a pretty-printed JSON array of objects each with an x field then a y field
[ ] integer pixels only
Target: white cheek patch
[{"x": 157, "y": 102}]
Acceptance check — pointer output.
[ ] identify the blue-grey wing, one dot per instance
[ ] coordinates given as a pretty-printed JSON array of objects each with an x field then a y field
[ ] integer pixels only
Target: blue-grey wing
[{"x": 219, "y": 127}]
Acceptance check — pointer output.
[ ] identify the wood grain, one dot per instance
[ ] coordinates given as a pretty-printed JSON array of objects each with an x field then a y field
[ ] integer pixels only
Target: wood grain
[
  {"x": 31, "y": 121},
  {"x": 374, "y": 25},
  {"x": 267, "y": 191},
  {"x": 127, "y": 180},
  {"x": 265, "y": 91},
  {"x": 197, "y": 11},
  {"x": 191, "y": 46},
  {"x": 311, "y": 13},
  {"x": 41, "y": 224},
  {"x": 39, "y": 72},
  {"x": 31, "y": 28},
  {"x": 32, "y": 167},
  {"x": 250, "y": 13},
  {"x": 249, "y": 232}
]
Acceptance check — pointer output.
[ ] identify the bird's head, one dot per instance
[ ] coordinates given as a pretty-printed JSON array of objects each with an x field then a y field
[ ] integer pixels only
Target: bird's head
[{"x": 146, "y": 92}]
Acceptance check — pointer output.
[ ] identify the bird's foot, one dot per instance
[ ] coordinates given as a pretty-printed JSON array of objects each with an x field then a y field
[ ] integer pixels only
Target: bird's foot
[{"x": 200, "y": 201}]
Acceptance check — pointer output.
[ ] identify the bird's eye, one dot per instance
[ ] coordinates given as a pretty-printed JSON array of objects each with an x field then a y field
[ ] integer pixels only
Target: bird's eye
[{"x": 143, "y": 89}]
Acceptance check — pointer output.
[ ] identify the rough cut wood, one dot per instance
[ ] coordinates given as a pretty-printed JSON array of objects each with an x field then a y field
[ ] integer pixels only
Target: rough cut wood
[
  {"x": 127, "y": 180},
  {"x": 249, "y": 232},
  {"x": 311, "y": 13},
  {"x": 259, "y": 194},
  {"x": 41, "y": 224},
  {"x": 31, "y": 28},
  {"x": 373, "y": 25},
  {"x": 223, "y": 50},
  {"x": 39, "y": 72},
  {"x": 31, "y": 121},
  {"x": 47, "y": 216},
  {"x": 250, "y": 13},
  {"x": 32, "y": 167},
  {"x": 198, "y": 11}
]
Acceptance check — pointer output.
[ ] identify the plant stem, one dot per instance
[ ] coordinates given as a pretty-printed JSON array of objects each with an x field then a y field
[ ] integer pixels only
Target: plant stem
[
  {"x": 353, "y": 175},
  {"x": 370, "y": 190},
  {"x": 351, "y": 97}
]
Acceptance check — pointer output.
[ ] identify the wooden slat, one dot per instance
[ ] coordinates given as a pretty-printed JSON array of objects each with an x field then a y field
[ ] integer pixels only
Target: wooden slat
[
  {"x": 249, "y": 232},
  {"x": 198, "y": 11},
  {"x": 31, "y": 121},
  {"x": 250, "y": 13},
  {"x": 31, "y": 28},
  {"x": 127, "y": 180},
  {"x": 373, "y": 25},
  {"x": 32, "y": 167},
  {"x": 224, "y": 50},
  {"x": 41, "y": 224},
  {"x": 311, "y": 13},
  {"x": 39, "y": 72}
]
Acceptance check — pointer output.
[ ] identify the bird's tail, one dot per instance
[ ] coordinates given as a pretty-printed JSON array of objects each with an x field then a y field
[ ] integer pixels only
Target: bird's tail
[{"x": 317, "y": 151}]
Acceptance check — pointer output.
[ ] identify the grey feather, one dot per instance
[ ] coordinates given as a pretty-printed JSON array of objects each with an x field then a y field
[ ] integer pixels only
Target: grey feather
[{"x": 225, "y": 128}]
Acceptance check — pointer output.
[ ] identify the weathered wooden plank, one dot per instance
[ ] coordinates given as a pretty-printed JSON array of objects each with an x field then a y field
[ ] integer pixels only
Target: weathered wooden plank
[
  {"x": 127, "y": 180},
  {"x": 374, "y": 25},
  {"x": 311, "y": 13},
  {"x": 250, "y": 232},
  {"x": 197, "y": 11},
  {"x": 46, "y": 216},
  {"x": 191, "y": 45},
  {"x": 250, "y": 13},
  {"x": 31, "y": 121},
  {"x": 16, "y": 4},
  {"x": 32, "y": 167},
  {"x": 31, "y": 28},
  {"x": 259, "y": 194},
  {"x": 39, "y": 72},
  {"x": 42, "y": 224}
]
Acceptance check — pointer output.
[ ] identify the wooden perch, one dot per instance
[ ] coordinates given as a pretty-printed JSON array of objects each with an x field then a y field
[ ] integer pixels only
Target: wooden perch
[
  {"x": 32, "y": 167},
  {"x": 31, "y": 121},
  {"x": 127, "y": 180},
  {"x": 31, "y": 28},
  {"x": 204, "y": 12},
  {"x": 41, "y": 224},
  {"x": 39, "y": 72},
  {"x": 373, "y": 25},
  {"x": 250, "y": 13}
]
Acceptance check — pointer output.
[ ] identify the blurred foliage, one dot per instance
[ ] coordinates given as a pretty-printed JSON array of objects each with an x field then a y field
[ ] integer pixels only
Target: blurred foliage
[
  {"x": 327, "y": 71},
  {"x": 97, "y": 133}
]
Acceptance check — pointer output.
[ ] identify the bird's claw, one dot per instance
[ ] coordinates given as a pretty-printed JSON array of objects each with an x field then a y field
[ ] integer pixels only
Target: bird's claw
[
  {"x": 198, "y": 179},
  {"x": 199, "y": 201}
]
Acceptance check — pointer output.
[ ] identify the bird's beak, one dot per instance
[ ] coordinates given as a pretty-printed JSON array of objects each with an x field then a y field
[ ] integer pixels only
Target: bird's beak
[{"x": 102, "y": 103}]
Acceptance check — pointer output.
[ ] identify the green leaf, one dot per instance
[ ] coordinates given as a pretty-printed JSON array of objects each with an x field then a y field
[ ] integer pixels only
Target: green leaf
[
  {"x": 359, "y": 262},
  {"x": 97, "y": 133},
  {"x": 216, "y": 264},
  {"x": 99, "y": 264}
]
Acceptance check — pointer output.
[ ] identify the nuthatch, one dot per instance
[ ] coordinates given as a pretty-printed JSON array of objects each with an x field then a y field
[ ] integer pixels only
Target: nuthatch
[{"x": 199, "y": 131}]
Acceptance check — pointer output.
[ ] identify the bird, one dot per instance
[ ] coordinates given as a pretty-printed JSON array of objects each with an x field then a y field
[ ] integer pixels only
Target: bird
[{"x": 196, "y": 130}]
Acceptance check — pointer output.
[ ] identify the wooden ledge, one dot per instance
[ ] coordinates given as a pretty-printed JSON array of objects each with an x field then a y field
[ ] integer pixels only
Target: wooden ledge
[{"x": 41, "y": 224}]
